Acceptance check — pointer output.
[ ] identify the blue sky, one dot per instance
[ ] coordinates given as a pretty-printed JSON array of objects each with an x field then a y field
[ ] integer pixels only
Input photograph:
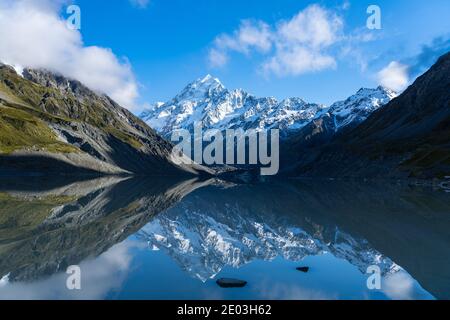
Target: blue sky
[{"x": 168, "y": 44}]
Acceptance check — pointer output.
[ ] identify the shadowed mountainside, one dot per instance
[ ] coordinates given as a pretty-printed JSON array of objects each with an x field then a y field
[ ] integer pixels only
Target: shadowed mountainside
[{"x": 408, "y": 137}]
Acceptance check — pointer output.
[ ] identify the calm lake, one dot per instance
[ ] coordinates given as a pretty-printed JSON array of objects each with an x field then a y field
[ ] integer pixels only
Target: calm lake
[{"x": 159, "y": 238}]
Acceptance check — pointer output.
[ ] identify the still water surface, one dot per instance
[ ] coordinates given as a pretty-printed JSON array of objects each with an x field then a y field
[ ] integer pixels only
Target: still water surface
[{"x": 166, "y": 239}]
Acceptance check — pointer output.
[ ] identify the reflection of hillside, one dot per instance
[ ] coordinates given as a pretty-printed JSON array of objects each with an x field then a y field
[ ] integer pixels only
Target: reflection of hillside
[
  {"x": 45, "y": 231},
  {"x": 362, "y": 223}
]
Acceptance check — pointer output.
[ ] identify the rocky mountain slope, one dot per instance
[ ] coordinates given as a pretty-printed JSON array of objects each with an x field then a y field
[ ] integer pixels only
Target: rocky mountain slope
[
  {"x": 340, "y": 115},
  {"x": 409, "y": 137},
  {"x": 358, "y": 107},
  {"x": 53, "y": 124}
]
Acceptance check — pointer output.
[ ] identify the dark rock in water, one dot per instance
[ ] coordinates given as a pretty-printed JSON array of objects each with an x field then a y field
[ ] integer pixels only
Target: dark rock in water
[
  {"x": 231, "y": 283},
  {"x": 303, "y": 269}
]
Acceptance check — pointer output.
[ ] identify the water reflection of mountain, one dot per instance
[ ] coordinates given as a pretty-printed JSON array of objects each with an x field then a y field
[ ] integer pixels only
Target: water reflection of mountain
[
  {"x": 42, "y": 232},
  {"x": 205, "y": 225},
  {"x": 205, "y": 233},
  {"x": 364, "y": 224}
]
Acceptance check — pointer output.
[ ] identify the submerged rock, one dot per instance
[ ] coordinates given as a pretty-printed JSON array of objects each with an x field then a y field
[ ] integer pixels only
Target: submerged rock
[
  {"x": 303, "y": 269},
  {"x": 231, "y": 283}
]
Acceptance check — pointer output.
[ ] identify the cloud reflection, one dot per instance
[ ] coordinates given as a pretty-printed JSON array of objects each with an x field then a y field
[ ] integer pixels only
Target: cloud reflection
[{"x": 98, "y": 277}]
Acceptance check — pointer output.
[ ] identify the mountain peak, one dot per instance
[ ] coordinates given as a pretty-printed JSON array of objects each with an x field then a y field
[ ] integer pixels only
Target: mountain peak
[
  {"x": 207, "y": 100},
  {"x": 201, "y": 88},
  {"x": 207, "y": 78},
  {"x": 208, "y": 81},
  {"x": 387, "y": 91},
  {"x": 357, "y": 108},
  {"x": 380, "y": 90}
]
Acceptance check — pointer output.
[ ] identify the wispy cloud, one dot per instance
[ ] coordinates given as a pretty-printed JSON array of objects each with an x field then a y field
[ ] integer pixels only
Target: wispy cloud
[
  {"x": 346, "y": 5},
  {"x": 397, "y": 75},
  {"x": 399, "y": 286},
  {"x": 142, "y": 4},
  {"x": 250, "y": 35},
  {"x": 394, "y": 76},
  {"x": 217, "y": 58},
  {"x": 290, "y": 47},
  {"x": 429, "y": 54},
  {"x": 34, "y": 35}
]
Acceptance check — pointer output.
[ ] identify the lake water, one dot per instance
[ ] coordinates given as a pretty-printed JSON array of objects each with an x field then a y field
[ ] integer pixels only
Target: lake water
[{"x": 169, "y": 239}]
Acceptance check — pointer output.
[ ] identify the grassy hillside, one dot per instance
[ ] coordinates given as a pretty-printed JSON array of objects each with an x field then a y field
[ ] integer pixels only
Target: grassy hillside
[
  {"x": 26, "y": 213},
  {"x": 22, "y": 130},
  {"x": 51, "y": 105}
]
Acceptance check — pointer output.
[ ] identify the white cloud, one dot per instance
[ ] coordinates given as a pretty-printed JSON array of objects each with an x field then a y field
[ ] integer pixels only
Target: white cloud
[
  {"x": 217, "y": 58},
  {"x": 99, "y": 276},
  {"x": 399, "y": 286},
  {"x": 140, "y": 3},
  {"x": 291, "y": 47},
  {"x": 250, "y": 35},
  {"x": 313, "y": 27},
  {"x": 298, "y": 60},
  {"x": 394, "y": 76},
  {"x": 34, "y": 35}
]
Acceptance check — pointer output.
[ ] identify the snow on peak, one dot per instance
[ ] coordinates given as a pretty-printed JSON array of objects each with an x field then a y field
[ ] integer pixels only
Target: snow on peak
[
  {"x": 359, "y": 106},
  {"x": 207, "y": 100},
  {"x": 209, "y": 79},
  {"x": 206, "y": 84}
]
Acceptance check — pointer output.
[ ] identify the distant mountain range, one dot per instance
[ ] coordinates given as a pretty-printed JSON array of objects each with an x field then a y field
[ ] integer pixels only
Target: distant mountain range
[
  {"x": 52, "y": 124},
  {"x": 208, "y": 101}
]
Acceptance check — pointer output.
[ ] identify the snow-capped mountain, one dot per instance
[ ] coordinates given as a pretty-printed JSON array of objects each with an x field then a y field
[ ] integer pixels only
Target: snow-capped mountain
[
  {"x": 359, "y": 106},
  {"x": 207, "y": 100}
]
